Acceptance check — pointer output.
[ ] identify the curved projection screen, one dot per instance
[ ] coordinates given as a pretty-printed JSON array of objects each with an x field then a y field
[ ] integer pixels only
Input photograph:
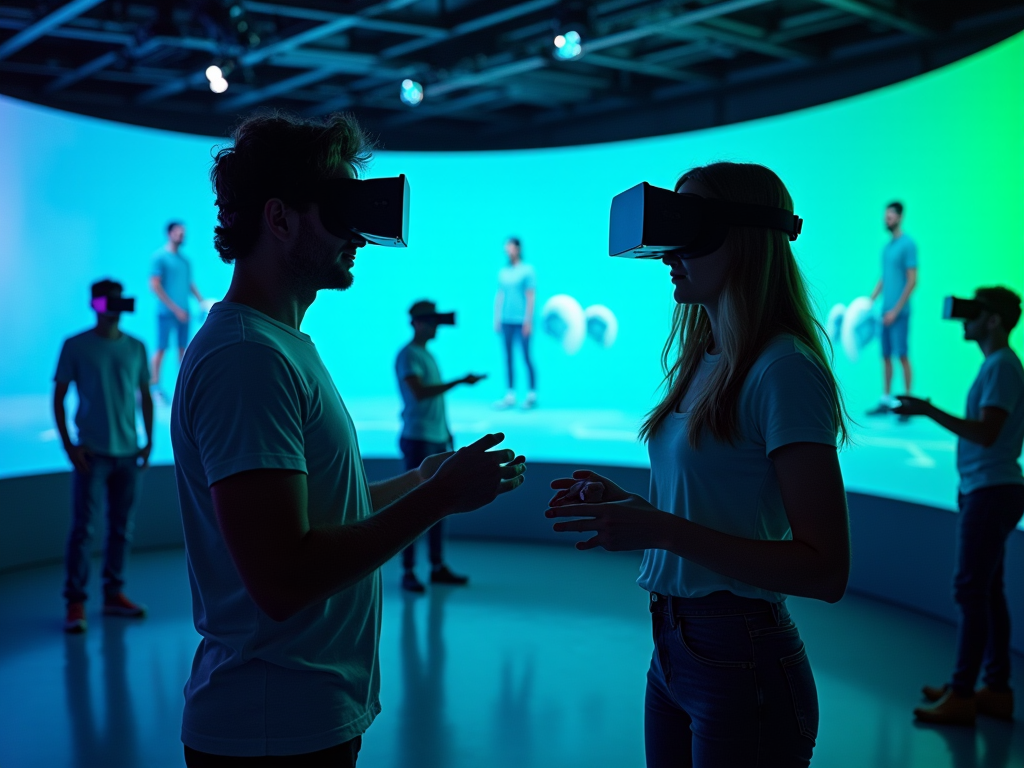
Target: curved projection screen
[{"x": 82, "y": 199}]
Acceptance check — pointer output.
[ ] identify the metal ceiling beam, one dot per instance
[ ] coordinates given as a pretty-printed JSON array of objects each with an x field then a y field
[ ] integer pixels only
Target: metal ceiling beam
[
  {"x": 470, "y": 101},
  {"x": 469, "y": 27},
  {"x": 643, "y": 68},
  {"x": 599, "y": 44},
  {"x": 259, "y": 55},
  {"x": 257, "y": 95},
  {"x": 379, "y": 25},
  {"x": 100, "y": 63},
  {"x": 874, "y": 13},
  {"x": 762, "y": 46},
  {"x": 51, "y": 21}
]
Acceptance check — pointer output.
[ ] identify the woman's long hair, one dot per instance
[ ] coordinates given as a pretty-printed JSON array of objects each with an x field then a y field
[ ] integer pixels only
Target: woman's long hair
[{"x": 764, "y": 296}]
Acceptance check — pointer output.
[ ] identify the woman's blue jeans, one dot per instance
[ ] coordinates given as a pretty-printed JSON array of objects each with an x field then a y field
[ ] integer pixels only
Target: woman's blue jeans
[{"x": 729, "y": 685}]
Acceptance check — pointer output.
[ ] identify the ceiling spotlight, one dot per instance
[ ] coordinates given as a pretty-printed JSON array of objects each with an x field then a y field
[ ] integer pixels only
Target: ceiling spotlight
[
  {"x": 219, "y": 85},
  {"x": 568, "y": 45},
  {"x": 213, "y": 72},
  {"x": 570, "y": 25},
  {"x": 412, "y": 92}
]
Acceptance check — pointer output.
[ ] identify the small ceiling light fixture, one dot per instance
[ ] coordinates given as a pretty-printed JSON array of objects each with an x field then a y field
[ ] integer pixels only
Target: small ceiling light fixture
[
  {"x": 571, "y": 25},
  {"x": 412, "y": 92},
  {"x": 217, "y": 75}
]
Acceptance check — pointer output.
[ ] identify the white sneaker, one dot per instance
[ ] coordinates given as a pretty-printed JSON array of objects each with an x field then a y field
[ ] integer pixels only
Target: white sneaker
[
  {"x": 507, "y": 401},
  {"x": 530, "y": 401}
]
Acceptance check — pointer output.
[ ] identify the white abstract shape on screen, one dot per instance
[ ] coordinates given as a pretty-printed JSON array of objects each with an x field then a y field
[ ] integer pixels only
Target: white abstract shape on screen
[
  {"x": 563, "y": 319},
  {"x": 860, "y": 326},
  {"x": 834, "y": 322},
  {"x": 602, "y": 325}
]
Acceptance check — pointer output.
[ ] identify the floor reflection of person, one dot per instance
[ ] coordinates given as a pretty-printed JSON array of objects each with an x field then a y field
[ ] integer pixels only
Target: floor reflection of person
[
  {"x": 171, "y": 280},
  {"x": 991, "y": 504},
  {"x": 513, "y": 319},
  {"x": 284, "y": 535},
  {"x": 899, "y": 278},
  {"x": 425, "y": 427},
  {"x": 108, "y": 368},
  {"x": 747, "y": 503}
]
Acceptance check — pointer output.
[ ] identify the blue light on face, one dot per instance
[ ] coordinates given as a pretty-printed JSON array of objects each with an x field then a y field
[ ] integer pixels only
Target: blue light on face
[
  {"x": 568, "y": 46},
  {"x": 412, "y": 92}
]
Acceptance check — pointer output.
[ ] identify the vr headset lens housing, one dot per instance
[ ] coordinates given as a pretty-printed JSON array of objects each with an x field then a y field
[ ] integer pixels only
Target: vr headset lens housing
[
  {"x": 647, "y": 222},
  {"x": 376, "y": 209},
  {"x": 961, "y": 309},
  {"x": 108, "y": 304}
]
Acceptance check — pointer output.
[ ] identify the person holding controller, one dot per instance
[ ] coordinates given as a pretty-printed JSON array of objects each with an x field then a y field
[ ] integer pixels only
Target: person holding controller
[
  {"x": 284, "y": 535},
  {"x": 747, "y": 503},
  {"x": 425, "y": 426},
  {"x": 991, "y": 502}
]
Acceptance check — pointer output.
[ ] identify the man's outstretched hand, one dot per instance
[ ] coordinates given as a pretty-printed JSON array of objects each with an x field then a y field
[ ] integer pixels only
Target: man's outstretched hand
[{"x": 474, "y": 476}]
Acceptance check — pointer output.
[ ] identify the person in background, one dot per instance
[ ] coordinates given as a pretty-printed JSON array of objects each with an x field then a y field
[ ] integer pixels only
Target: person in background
[
  {"x": 108, "y": 368},
  {"x": 284, "y": 534},
  {"x": 513, "y": 318},
  {"x": 171, "y": 280},
  {"x": 991, "y": 502},
  {"x": 899, "y": 278},
  {"x": 425, "y": 427},
  {"x": 747, "y": 503}
]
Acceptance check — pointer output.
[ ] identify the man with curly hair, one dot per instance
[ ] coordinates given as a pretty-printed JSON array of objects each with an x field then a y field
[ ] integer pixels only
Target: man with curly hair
[{"x": 283, "y": 533}]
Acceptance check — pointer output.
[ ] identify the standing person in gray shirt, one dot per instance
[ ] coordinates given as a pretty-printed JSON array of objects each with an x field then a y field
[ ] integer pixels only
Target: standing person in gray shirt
[
  {"x": 991, "y": 504},
  {"x": 107, "y": 367},
  {"x": 171, "y": 281},
  {"x": 425, "y": 427}
]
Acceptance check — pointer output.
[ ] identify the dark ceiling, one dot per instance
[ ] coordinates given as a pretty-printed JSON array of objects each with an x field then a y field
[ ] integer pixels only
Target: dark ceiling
[{"x": 488, "y": 74}]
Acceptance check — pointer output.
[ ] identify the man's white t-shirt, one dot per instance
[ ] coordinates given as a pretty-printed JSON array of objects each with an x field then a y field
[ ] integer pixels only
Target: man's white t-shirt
[
  {"x": 732, "y": 487},
  {"x": 254, "y": 394},
  {"x": 421, "y": 419}
]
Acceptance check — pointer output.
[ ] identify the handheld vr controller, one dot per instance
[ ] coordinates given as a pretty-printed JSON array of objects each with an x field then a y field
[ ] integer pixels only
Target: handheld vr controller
[{"x": 648, "y": 222}]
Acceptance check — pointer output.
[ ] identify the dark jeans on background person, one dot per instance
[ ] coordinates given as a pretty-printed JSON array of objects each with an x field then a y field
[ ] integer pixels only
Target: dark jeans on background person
[
  {"x": 414, "y": 452},
  {"x": 341, "y": 756},
  {"x": 513, "y": 332},
  {"x": 116, "y": 478},
  {"x": 729, "y": 685},
  {"x": 987, "y": 517}
]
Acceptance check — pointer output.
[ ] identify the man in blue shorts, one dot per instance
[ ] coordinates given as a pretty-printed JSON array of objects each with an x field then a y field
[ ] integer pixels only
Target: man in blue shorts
[
  {"x": 171, "y": 281},
  {"x": 899, "y": 278}
]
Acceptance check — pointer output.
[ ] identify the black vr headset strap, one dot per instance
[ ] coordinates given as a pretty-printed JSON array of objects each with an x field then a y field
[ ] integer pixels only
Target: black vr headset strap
[{"x": 749, "y": 215}]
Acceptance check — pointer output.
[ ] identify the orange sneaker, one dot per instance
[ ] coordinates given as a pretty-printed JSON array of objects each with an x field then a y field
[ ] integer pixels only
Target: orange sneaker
[
  {"x": 949, "y": 710},
  {"x": 74, "y": 620},
  {"x": 997, "y": 704},
  {"x": 119, "y": 605}
]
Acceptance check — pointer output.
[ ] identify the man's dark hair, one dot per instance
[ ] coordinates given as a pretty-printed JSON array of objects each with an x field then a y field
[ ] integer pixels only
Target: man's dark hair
[
  {"x": 897, "y": 206},
  {"x": 275, "y": 154},
  {"x": 172, "y": 224},
  {"x": 515, "y": 242},
  {"x": 1003, "y": 302},
  {"x": 105, "y": 287}
]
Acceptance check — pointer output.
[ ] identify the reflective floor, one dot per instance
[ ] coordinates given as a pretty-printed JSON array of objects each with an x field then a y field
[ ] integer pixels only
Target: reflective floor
[{"x": 540, "y": 662}]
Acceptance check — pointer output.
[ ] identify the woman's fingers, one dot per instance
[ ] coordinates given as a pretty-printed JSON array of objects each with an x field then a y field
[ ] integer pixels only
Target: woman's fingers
[
  {"x": 563, "y": 482},
  {"x": 586, "y": 524},
  {"x": 592, "y": 543}
]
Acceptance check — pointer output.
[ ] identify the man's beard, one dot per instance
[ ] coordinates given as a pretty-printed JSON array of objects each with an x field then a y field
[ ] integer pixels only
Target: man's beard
[{"x": 316, "y": 265}]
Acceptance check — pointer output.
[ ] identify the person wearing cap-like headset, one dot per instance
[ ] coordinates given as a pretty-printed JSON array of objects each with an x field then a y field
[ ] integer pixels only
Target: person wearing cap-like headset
[{"x": 425, "y": 426}]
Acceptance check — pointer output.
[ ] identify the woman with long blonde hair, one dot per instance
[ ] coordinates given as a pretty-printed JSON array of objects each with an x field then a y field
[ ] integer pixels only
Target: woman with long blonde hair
[{"x": 747, "y": 503}]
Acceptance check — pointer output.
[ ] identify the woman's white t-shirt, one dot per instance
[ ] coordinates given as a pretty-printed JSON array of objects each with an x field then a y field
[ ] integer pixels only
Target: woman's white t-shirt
[{"x": 732, "y": 487}]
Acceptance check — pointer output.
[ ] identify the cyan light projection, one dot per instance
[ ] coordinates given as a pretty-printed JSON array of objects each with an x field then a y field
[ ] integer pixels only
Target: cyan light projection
[{"x": 82, "y": 199}]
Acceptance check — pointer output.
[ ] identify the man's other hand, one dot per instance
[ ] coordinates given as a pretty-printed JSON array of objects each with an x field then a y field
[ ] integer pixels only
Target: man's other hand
[
  {"x": 889, "y": 317},
  {"x": 181, "y": 314},
  {"x": 912, "y": 406},
  {"x": 473, "y": 378},
  {"x": 143, "y": 455},
  {"x": 429, "y": 466},
  {"x": 473, "y": 476}
]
